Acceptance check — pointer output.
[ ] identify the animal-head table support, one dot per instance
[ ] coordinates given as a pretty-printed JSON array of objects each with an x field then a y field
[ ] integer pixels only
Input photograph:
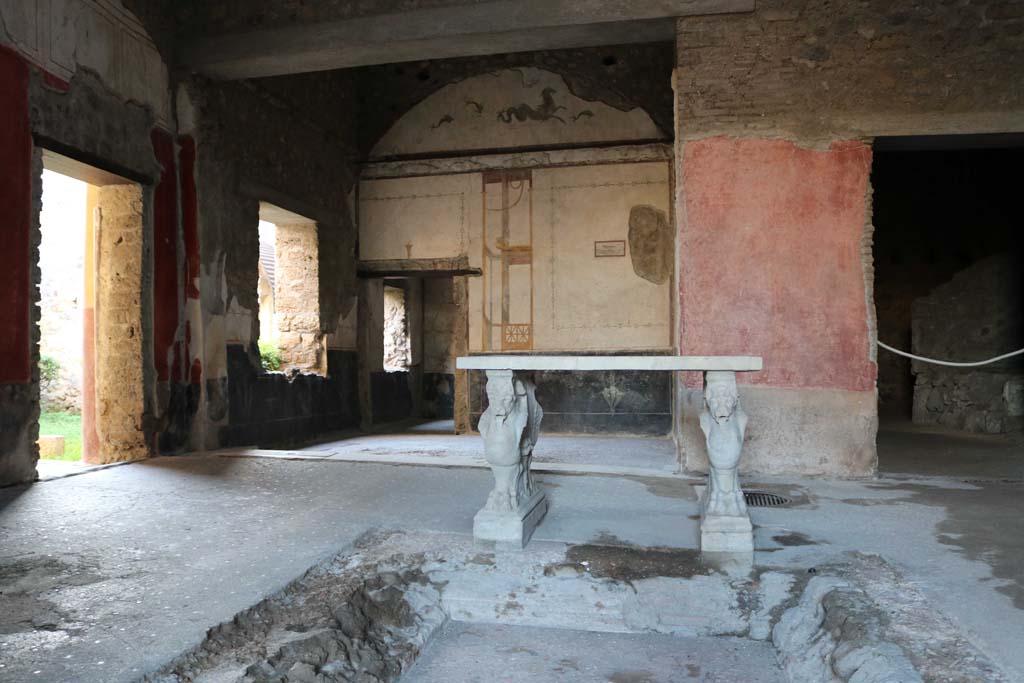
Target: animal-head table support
[
  {"x": 510, "y": 426},
  {"x": 725, "y": 523}
]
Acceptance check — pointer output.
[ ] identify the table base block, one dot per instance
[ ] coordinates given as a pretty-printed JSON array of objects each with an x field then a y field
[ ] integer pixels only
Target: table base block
[
  {"x": 720, "y": 534},
  {"x": 510, "y": 530}
]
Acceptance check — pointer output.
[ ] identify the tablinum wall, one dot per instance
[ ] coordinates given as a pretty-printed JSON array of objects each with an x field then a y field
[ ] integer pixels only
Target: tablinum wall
[
  {"x": 562, "y": 239},
  {"x": 582, "y": 284},
  {"x": 587, "y": 293}
]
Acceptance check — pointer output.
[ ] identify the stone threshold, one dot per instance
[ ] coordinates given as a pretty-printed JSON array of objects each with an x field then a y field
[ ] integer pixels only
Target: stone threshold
[
  {"x": 442, "y": 461},
  {"x": 77, "y": 470},
  {"x": 448, "y": 461}
]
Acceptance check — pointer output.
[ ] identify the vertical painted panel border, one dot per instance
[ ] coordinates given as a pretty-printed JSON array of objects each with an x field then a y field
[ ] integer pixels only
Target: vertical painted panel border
[
  {"x": 165, "y": 256},
  {"x": 15, "y": 220}
]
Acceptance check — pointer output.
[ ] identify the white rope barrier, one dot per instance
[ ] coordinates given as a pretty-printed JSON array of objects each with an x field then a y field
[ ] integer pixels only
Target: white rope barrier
[{"x": 951, "y": 363}]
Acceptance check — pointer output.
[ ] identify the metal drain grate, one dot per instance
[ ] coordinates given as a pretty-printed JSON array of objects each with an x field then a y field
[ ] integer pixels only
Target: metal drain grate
[{"x": 760, "y": 499}]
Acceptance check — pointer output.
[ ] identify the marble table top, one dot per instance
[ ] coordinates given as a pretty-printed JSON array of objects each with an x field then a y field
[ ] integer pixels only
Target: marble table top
[{"x": 666, "y": 363}]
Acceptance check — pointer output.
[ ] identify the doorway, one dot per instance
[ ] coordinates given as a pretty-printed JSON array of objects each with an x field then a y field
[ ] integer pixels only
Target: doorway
[
  {"x": 414, "y": 326},
  {"x": 948, "y": 285},
  {"x": 66, "y": 309},
  {"x": 90, "y": 318}
]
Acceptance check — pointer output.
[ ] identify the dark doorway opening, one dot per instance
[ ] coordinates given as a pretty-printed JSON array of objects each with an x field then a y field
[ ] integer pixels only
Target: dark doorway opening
[{"x": 949, "y": 279}]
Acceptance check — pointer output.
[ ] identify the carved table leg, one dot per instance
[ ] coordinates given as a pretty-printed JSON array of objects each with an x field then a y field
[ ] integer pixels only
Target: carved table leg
[
  {"x": 510, "y": 426},
  {"x": 725, "y": 524}
]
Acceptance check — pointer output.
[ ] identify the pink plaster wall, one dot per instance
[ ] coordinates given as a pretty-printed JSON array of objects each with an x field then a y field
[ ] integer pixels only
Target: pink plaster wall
[{"x": 770, "y": 259}]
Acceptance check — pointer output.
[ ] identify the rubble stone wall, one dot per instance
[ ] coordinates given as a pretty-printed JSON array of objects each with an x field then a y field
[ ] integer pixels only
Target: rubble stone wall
[
  {"x": 978, "y": 314},
  {"x": 396, "y": 329},
  {"x": 119, "y": 359},
  {"x": 297, "y": 299}
]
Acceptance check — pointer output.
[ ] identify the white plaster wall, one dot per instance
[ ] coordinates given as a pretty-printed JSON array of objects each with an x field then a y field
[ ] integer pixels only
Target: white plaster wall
[
  {"x": 583, "y": 302},
  {"x": 373, "y": 305},
  {"x": 439, "y": 314},
  {"x": 428, "y": 217},
  {"x": 511, "y": 108},
  {"x": 100, "y": 35},
  {"x": 580, "y": 302},
  {"x": 344, "y": 336}
]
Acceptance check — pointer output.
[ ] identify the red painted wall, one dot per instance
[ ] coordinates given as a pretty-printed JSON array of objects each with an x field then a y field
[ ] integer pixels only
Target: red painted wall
[
  {"x": 165, "y": 255},
  {"x": 15, "y": 219},
  {"x": 190, "y": 216},
  {"x": 190, "y": 226},
  {"x": 770, "y": 259}
]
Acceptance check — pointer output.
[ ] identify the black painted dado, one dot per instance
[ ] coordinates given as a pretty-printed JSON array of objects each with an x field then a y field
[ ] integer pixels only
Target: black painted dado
[
  {"x": 438, "y": 395},
  {"x": 266, "y": 408},
  {"x": 19, "y": 415},
  {"x": 604, "y": 402},
  {"x": 182, "y": 405},
  {"x": 392, "y": 396}
]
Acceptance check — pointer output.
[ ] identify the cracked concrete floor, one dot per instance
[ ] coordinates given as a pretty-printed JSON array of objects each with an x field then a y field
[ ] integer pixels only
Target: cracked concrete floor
[{"x": 109, "y": 574}]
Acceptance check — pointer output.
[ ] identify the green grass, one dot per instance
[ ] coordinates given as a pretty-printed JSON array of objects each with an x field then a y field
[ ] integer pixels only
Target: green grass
[{"x": 67, "y": 425}]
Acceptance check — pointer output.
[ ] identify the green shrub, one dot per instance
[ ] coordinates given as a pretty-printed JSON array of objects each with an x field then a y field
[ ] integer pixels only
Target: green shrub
[
  {"x": 49, "y": 369},
  {"x": 270, "y": 356},
  {"x": 67, "y": 425}
]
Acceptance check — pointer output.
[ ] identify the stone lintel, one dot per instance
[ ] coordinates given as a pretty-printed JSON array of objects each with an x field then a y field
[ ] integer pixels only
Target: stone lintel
[
  {"x": 541, "y": 158},
  {"x": 417, "y": 267}
]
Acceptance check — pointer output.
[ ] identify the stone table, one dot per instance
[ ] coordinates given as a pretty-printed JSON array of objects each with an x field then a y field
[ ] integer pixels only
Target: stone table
[{"x": 511, "y": 423}]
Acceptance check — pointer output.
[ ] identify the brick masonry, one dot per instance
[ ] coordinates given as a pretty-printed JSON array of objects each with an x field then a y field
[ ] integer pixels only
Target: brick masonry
[{"x": 819, "y": 71}]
